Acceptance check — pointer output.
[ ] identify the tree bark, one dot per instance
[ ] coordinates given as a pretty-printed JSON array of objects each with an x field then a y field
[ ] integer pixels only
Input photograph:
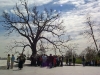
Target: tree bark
[
  {"x": 34, "y": 51},
  {"x": 91, "y": 28}
]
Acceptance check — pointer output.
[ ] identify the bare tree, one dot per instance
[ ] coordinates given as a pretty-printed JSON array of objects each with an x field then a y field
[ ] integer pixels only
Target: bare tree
[
  {"x": 89, "y": 32},
  {"x": 42, "y": 49},
  {"x": 14, "y": 45},
  {"x": 33, "y": 25},
  {"x": 89, "y": 53},
  {"x": 71, "y": 48}
]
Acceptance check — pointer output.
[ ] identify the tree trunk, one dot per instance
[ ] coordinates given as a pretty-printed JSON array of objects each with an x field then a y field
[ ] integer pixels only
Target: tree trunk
[
  {"x": 93, "y": 37},
  {"x": 34, "y": 51}
]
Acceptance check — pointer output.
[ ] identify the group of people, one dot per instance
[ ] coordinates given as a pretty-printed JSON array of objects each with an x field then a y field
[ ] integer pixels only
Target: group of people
[
  {"x": 70, "y": 60},
  {"x": 45, "y": 60},
  {"x": 51, "y": 60},
  {"x": 92, "y": 62},
  {"x": 39, "y": 60},
  {"x": 11, "y": 60}
]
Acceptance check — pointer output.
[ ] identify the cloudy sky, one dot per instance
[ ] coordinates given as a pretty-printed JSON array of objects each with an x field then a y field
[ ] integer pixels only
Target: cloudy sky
[{"x": 73, "y": 12}]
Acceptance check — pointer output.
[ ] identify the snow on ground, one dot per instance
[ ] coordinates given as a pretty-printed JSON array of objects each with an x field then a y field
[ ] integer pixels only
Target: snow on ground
[
  {"x": 4, "y": 62},
  {"x": 65, "y": 70}
]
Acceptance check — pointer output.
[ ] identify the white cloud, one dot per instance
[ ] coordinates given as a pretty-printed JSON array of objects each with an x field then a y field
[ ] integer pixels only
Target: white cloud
[
  {"x": 74, "y": 21},
  {"x": 61, "y": 2},
  {"x": 39, "y": 2},
  {"x": 75, "y": 2},
  {"x": 6, "y": 4},
  {"x": 78, "y": 2}
]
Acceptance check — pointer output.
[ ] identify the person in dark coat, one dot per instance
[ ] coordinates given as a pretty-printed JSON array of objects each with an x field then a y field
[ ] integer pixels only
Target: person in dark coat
[
  {"x": 50, "y": 61},
  {"x": 66, "y": 60},
  {"x": 70, "y": 61},
  {"x": 47, "y": 61},
  {"x": 58, "y": 60},
  {"x": 38, "y": 60},
  {"x": 32, "y": 60},
  {"x": 20, "y": 63},
  {"x": 74, "y": 59},
  {"x": 83, "y": 61},
  {"x": 61, "y": 60}
]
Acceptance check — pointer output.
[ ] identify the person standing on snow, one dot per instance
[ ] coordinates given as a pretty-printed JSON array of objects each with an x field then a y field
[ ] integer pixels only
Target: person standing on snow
[
  {"x": 8, "y": 61},
  {"x": 12, "y": 61}
]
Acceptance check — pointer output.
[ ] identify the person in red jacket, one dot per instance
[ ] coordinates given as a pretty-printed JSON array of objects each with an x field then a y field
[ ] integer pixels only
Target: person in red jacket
[{"x": 54, "y": 61}]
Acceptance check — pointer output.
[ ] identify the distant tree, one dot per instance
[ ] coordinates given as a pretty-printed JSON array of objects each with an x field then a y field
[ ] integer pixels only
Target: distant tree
[
  {"x": 14, "y": 45},
  {"x": 33, "y": 24},
  {"x": 89, "y": 53},
  {"x": 90, "y": 32},
  {"x": 42, "y": 49},
  {"x": 71, "y": 50}
]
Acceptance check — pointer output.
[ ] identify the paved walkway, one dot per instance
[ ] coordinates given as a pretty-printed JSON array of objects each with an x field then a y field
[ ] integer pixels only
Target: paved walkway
[{"x": 65, "y": 70}]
